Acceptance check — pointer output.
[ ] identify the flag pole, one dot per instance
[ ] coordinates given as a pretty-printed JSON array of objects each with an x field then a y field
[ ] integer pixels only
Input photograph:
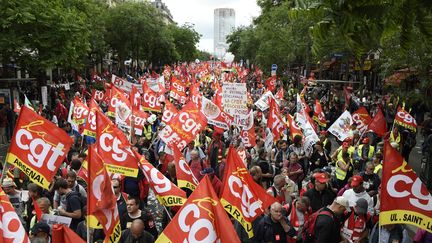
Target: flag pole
[{"x": 169, "y": 215}]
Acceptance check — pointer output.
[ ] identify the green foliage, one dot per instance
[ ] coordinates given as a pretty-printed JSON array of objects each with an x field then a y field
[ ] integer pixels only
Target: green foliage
[
  {"x": 185, "y": 41},
  {"x": 39, "y": 33}
]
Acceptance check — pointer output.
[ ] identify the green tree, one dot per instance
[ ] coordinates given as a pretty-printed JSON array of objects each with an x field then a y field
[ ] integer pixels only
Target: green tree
[
  {"x": 185, "y": 41},
  {"x": 37, "y": 34}
]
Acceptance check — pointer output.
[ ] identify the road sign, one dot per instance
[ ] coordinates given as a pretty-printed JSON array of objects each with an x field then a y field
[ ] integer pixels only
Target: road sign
[{"x": 274, "y": 67}]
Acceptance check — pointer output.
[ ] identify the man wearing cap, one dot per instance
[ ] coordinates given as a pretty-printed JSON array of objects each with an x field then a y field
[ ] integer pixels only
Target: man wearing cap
[
  {"x": 40, "y": 230},
  {"x": 357, "y": 222},
  {"x": 14, "y": 196},
  {"x": 358, "y": 191},
  {"x": 327, "y": 226},
  {"x": 320, "y": 196},
  {"x": 365, "y": 153},
  {"x": 343, "y": 165}
]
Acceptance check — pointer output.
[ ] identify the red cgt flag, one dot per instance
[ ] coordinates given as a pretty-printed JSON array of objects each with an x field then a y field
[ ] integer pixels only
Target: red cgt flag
[
  {"x": 184, "y": 127},
  {"x": 11, "y": 229},
  {"x": 169, "y": 112},
  {"x": 185, "y": 177},
  {"x": 80, "y": 112},
  {"x": 318, "y": 115},
  {"x": 378, "y": 124},
  {"x": 62, "y": 233},
  {"x": 201, "y": 219},
  {"x": 102, "y": 203},
  {"x": 38, "y": 147},
  {"x": 90, "y": 126},
  {"x": 115, "y": 148},
  {"x": 242, "y": 198},
  {"x": 151, "y": 99},
  {"x": 247, "y": 134},
  {"x": 293, "y": 127},
  {"x": 178, "y": 90},
  {"x": 135, "y": 98},
  {"x": 270, "y": 83},
  {"x": 403, "y": 118},
  {"x": 166, "y": 192},
  {"x": 274, "y": 121},
  {"x": 361, "y": 118},
  {"x": 404, "y": 198}
]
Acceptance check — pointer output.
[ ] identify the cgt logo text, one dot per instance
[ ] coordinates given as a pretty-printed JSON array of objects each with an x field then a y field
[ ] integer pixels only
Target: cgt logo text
[{"x": 402, "y": 186}]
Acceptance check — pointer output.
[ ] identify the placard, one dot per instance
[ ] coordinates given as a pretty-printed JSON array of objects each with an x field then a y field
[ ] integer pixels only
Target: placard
[{"x": 234, "y": 99}]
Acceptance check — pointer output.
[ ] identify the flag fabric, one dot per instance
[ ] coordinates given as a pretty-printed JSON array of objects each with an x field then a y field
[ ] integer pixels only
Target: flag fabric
[
  {"x": 201, "y": 219},
  {"x": 28, "y": 103},
  {"x": 38, "y": 147},
  {"x": 11, "y": 229},
  {"x": 404, "y": 119},
  {"x": 37, "y": 210},
  {"x": 185, "y": 177},
  {"x": 341, "y": 127},
  {"x": 102, "y": 203},
  {"x": 270, "y": 83},
  {"x": 114, "y": 147},
  {"x": 378, "y": 123},
  {"x": 362, "y": 119},
  {"x": 294, "y": 129},
  {"x": 319, "y": 116},
  {"x": 310, "y": 136},
  {"x": 347, "y": 95},
  {"x": 62, "y": 233},
  {"x": 215, "y": 115},
  {"x": 195, "y": 94},
  {"x": 169, "y": 112},
  {"x": 274, "y": 121},
  {"x": 90, "y": 125},
  {"x": 80, "y": 112},
  {"x": 97, "y": 95},
  {"x": 184, "y": 127},
  {"x": 166, "y": 192},
  {"x": 178, "y": 90},
  {"x": 404, "y": 198},
  {"x": 247, "y": 134},
  {"x": 17, "y": 107},
  {"x": 242, "y": 197},
  {"x": 280, "y": 94},
  {"x": 117, "y": 97},
  {"x": 151, "y": 99},
  {"x": 135, "y": 98}
]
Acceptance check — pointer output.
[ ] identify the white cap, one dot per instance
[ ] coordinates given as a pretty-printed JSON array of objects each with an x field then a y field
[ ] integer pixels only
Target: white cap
[
  {"x": 152, "y": 119},
  {"x": 342, "y": 201}
]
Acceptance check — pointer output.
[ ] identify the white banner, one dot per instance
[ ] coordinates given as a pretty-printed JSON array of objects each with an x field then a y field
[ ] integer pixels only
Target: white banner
[
  {"x": 234, "y": 99},
  {"x": 263, "y": 102},
  {"x": 154, "y": 83},
  {"x": 124, "y": 84},
  {"x": 55, "y": 219},
  {"x": 341, "y": 127},
  {"x": 309, "y": 135}
]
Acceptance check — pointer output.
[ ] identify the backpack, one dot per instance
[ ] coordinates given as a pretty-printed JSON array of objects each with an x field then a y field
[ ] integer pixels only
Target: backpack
[
  {"x": 82, "y": 198},
  {"x": 308, "y": 230}
]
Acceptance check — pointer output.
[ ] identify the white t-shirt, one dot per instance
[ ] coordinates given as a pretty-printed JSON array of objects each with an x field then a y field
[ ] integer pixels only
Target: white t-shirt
[{"x": 352, "y": 198}]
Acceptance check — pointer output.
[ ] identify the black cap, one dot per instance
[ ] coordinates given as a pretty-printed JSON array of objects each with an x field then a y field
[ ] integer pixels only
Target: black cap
[{"x": 40, "y": 227}]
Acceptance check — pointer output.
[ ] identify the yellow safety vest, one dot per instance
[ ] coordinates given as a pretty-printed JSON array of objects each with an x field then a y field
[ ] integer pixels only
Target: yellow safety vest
[
  {"x": 377, "y": 168},
  {"x": 371, "y": 151},
  {"x": 340, "y": 174},
  {"x": 392, "y": 138},
  {"x": 350, "y": 151},
  {"x": 147, "y": 132}
]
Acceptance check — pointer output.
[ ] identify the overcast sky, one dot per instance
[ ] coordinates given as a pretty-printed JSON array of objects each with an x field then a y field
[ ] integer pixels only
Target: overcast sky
[{"x": 200, "y": 13}]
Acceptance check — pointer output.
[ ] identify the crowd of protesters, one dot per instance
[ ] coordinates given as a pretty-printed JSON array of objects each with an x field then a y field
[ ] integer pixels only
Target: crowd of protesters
[{"x": 338, "y": 182}]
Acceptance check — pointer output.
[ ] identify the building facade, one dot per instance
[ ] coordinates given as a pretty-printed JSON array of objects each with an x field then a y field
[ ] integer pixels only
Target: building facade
[{"x": 224, "y": 24}]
